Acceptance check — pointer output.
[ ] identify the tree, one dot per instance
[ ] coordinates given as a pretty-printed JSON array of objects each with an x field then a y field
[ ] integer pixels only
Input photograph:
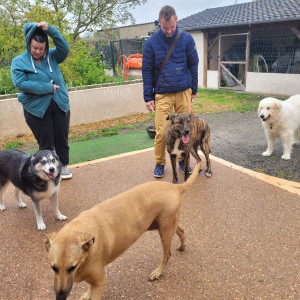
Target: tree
[{"x": 79, "y": 15}]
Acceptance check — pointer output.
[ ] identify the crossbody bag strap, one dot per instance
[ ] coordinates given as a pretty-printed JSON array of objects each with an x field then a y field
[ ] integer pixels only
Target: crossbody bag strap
[{"x": 167, "y": 56}]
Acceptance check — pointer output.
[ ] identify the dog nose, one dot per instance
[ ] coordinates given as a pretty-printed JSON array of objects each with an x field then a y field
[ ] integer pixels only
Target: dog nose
[
  {"x": 61, "y": 295},
  {"x": 51, "y": 170},
  {"x": 186, "y": 131},
  {"x": 262, "y": 116}
]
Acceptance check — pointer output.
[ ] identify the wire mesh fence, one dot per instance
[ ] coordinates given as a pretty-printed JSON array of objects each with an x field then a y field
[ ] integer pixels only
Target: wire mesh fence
[
  {"x": 275, "y": 52},
  {"x": 271, "y": 51},
  {"x": 112, "y": 52}
]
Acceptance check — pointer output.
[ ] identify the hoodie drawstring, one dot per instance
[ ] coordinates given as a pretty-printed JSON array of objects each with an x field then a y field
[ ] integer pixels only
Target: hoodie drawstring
[
  {"x": 35, "y": 71},
  {"x": 48, "y": 60},
  {"x": 49, "y": 64}
]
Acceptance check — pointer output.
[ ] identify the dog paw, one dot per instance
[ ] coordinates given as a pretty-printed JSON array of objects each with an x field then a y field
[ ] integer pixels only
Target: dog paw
[
  {"x": 266, "y": 153},
  {"x": 22, "y": 205},
  {"x": 208, "y": 174},
  {"x": 61, "y": 217},
  {"x": 285, "y": 157},
  {"x": 2, "y": 207},
  {"x": 181, "y": 248},
  {"x": 41, "y": 226},
  {"x": 155, "y": 275}
]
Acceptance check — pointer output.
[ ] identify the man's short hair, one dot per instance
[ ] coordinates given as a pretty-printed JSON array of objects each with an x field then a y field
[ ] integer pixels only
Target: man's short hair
[{"x": 167, "y": 12}]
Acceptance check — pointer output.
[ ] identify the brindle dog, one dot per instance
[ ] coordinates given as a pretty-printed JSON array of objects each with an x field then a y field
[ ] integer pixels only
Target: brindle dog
[{"x": 184, "y": 134}]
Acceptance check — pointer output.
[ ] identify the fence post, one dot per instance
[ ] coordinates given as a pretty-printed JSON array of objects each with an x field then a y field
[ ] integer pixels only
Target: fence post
[{"x": 112, "y": 57}]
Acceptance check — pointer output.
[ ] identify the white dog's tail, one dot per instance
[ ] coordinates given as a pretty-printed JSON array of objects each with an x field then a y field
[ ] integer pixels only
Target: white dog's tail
[{"x": 186, "y": 185}]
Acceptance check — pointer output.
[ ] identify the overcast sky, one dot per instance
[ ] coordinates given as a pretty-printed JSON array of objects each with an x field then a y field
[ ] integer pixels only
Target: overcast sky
[{"x": 184, "y": 8}]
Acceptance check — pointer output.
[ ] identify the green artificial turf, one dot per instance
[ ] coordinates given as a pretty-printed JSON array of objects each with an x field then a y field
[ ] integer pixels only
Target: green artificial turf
[{"x": 108, "y": 146}]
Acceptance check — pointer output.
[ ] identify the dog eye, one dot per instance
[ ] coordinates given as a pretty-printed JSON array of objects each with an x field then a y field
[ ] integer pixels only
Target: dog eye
[
  {"x": 268, "y": 108},
  {"x": 71, "y": 269},
  {"x": 53, "y": 160},
  {"x": 54, "y": 269},
  {"x": 43, "y": 162}
]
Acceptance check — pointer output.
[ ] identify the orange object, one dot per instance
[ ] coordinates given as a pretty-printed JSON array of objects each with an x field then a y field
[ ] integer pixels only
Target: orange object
[{"x": 133, "y": 61}]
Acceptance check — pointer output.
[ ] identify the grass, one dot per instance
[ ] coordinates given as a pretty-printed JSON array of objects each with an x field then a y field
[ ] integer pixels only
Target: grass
[
  {"x": 108, "y": 146},
  {"x": 14, "y": 145},
  {"x": 212, "y": 101}
]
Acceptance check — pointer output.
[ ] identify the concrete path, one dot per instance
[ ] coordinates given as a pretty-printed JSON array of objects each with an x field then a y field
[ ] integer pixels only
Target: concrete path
[{"x": 242, "y": 237}]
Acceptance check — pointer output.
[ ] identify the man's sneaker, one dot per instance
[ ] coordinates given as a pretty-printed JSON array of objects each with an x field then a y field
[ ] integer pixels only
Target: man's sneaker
[
  {"x": 159, "y": 171},
  {"x": 65, "y": 173},
  {"x": 182, "y": 167}
]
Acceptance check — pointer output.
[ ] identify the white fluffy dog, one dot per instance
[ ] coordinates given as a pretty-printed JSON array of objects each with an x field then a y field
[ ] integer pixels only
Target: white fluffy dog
[{"x": 281, "y": 119}]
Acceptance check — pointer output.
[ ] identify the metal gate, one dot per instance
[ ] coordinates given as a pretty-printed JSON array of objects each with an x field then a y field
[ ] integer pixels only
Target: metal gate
[{"x": 233, "y": 58}]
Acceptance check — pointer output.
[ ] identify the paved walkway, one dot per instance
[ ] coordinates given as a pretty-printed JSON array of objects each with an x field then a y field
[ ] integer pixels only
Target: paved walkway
[{"x": 242, "y": 237}]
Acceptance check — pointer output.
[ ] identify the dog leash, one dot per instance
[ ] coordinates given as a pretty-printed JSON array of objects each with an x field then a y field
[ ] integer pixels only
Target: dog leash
[{"x": 167, "y": 56}]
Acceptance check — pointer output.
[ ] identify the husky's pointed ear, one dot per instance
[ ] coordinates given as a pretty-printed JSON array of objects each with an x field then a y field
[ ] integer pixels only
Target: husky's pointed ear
[
  {"x": 33, "y": 156},
  {"x": 48, "y": 240}
]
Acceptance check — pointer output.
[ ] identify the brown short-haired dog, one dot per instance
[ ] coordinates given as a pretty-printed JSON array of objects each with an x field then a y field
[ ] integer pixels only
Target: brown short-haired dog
[
  {"x": 184, "y": 135},
  {"x": 82, "y": 248}
]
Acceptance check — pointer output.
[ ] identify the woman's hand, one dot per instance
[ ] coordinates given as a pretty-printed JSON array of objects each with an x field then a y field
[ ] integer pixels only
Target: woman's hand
[
  {"x": 55, "y": 86},
  {"x": 43, "y": 25}
]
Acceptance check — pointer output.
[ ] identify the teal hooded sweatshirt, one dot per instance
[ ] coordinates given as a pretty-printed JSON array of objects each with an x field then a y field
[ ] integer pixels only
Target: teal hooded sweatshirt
[{"x": 34, "y": 80}]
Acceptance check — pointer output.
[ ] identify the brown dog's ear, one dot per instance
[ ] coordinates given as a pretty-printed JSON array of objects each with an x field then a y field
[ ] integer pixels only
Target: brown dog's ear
[
  {"x": 48, "y": 240},
  {"x": 86, "y": 240},
  {"x": 171, "y": 118},
  {"x": 89, "y": 243}
]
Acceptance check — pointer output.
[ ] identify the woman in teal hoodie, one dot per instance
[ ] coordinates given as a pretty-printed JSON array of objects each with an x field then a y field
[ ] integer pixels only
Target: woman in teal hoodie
[{"x": 44, "y": 95}]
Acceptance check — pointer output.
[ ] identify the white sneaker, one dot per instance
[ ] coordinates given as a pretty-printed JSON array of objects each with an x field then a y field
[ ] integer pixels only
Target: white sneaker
[{"x": 65, "y": 173}]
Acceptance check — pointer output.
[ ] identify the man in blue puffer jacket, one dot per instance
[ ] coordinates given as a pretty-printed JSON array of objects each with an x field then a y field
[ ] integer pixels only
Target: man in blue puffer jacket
[
  {"x": 176, "y": 85},
  {"x": 44, "y": 95}
]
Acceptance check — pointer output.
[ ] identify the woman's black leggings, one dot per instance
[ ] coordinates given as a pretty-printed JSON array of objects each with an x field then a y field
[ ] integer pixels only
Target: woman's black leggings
[{"x": 51, "y": 131}]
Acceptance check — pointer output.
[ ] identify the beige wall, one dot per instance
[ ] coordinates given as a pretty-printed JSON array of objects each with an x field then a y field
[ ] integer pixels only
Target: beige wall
[
  {"x": 199, "y": 40},
  {"x": 273, "y": 83},
  {"x": 212, "y": 79},
  {"x": 264, "y": 83},
  {"x": 127, "y": 32},
  {"x": 87, "y": 106}
]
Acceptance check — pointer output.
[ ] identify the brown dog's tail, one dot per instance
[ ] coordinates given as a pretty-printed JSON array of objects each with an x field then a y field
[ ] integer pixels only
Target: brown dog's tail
[{"x": 186, "y": 185}]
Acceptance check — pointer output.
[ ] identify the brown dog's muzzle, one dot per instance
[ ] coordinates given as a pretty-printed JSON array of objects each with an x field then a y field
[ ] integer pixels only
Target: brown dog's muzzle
[{"x": 61, "y": 295}]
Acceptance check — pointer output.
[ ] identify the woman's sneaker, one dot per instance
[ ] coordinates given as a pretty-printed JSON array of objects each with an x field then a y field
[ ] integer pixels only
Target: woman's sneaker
[{"x": 65, "y": 173}]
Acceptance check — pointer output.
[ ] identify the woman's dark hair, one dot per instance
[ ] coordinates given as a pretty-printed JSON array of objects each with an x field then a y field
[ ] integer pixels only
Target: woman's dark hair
[{"x": 40, "y": 36}]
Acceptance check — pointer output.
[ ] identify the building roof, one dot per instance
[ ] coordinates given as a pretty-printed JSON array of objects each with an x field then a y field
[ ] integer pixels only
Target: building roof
[{"x": 256, "y": 12}]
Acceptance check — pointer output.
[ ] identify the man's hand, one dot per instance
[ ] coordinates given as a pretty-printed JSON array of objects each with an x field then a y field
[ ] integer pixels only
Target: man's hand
[
  {"x": 43, "y": 25},
  {"x": 150, "y": 105}
]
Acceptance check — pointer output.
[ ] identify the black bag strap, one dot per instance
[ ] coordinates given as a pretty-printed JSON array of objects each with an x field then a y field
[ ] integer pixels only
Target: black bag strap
[{"x": 167, "y": 56}]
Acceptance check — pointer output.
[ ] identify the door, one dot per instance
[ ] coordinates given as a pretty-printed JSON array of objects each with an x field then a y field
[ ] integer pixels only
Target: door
[{"x": 233, "y": 57}]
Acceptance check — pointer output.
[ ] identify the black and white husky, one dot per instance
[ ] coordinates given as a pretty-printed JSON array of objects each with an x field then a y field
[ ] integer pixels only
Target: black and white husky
[{"x": 36, "y": 175}]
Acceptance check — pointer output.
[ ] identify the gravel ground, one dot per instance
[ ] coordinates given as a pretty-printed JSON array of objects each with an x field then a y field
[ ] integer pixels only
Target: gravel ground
[{"x": 240, "y": 139}]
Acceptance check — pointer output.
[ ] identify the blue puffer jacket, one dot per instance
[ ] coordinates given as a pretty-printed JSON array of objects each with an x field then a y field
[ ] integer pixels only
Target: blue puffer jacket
[
  {"x": 34, "y": 80},
  {"x": 181, "y": 70}
]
